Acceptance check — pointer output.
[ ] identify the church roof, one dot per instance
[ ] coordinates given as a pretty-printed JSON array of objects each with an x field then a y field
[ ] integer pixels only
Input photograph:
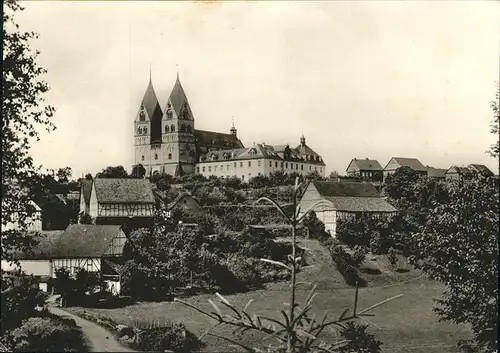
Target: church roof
[
  {"x": 217, "y": 139},
  {"x": 178, "y": 96},
  {"x": 150, "y": 101}
]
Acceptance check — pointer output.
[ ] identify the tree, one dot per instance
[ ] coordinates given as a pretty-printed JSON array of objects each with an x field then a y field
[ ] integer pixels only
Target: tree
[
  {"x": 23, "y": 113},
  {"x": 138, "y": 171},
  {"x": 88, "y": 176},
  {"x": 64, "y": 174},
  {"x": 113, "y": 172},
  {"x": 458, "y": 246},
  {"x": 495, "y": 106},
  {"x": 333, "y": 175}
]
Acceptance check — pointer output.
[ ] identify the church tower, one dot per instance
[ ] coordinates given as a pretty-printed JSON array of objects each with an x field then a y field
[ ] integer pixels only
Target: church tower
[
  {"x": 147, "y": 133},
  {"x": 178, "y": 148}
]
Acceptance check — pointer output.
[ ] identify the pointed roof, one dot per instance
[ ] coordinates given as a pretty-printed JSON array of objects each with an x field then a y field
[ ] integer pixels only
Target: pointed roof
[
  {"x": 178, "y": 96},
  {"x": 150, "y": 101}
]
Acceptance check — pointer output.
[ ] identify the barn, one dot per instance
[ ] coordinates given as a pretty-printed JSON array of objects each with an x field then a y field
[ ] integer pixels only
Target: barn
[{"x": 343, "y": 199}]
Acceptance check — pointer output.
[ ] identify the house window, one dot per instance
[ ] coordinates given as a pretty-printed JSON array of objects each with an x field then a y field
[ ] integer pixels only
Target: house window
[
  {"x": 242, "y": 177},
  {"x": 235, "y": 164},
  {"x": 270, "y": 163},
  {"x": 228, "y": 166},
  {"x": 249, "y": 163},
  {"x": 301, "y": 167},
  {"x": 172, "y": 128},
  {"x": 197, "y": 169},
  {"x": 286, "y": 165},
  {"x": 156, "y": 156},
  {"x": 258, "y": 163},
  {"x": 139, "y": 130},
  {"x": 281, "y": 164},
  {"x": 183, "y": 128},
  {"x": 215, "y": 169},
  {"x": 188, "y": 129},
  {"x": 241, "y": 164},
  {"x": 170, "y": 156},
  {"x": 296, "y": 166},
  {"x": 145, "y": 130},
  {"x": 166, "y": 129},
  {"x": 142, "y": 158},
  {"x": 89, "y": 265},
  {"x": 309, "y": 167},
  {"x": 209, "y": 168},
  {"x": 202, "y": 169}
]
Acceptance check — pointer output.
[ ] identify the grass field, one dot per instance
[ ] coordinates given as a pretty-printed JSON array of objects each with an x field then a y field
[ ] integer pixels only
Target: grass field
[{"x": 407, "y": 324}]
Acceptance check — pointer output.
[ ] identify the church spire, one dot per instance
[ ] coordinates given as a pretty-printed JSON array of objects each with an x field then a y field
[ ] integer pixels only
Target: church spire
[{"x": 233, "y": 129}]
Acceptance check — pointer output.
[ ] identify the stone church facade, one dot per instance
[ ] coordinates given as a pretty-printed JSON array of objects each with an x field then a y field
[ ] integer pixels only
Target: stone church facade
[{"x": 166, "y": 141}]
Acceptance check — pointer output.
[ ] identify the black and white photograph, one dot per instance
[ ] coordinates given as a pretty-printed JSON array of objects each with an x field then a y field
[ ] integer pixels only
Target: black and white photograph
[{"x": 250, "y": 176}]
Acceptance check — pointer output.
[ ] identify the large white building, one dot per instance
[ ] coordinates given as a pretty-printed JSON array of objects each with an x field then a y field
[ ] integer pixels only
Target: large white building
[{"x": 166, "y": 141}]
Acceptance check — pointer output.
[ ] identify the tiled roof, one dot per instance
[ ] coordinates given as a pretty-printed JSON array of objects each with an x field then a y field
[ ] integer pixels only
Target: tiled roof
[
  {"x": 345, "y": 189},
  {"x": 367, "y": 164},
  {"x": 412, "y": 163},
  {"x": 481, "y": 168},
  {"x": 457, "y": 169},
  {"x": 217, "y": 139},
  {"x": 77, "y": 241},
  {"x": 306, "y": 150},
  {"x": 361, "y": 204},
  {"x": 123, "y": 190},
  {"x": 87, "y": 190},
  {"x": 258, "y": 151},
  {"x": 436, "y": 172}
]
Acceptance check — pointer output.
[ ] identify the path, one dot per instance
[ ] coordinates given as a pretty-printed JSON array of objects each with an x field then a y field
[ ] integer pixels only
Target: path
[{"x": 99, "y": 339}]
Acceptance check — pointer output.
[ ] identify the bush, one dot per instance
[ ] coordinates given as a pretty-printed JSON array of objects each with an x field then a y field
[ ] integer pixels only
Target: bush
[
  {"x": 346, "y": 266},
  {"x": 172, "y": 336},
  {"x": 48, "y": 334}
]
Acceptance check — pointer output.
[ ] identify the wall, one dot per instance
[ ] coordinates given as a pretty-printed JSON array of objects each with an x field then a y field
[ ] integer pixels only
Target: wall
[
  {"x": 89, "y": 264},
  {"x": 31, "y": 267}
]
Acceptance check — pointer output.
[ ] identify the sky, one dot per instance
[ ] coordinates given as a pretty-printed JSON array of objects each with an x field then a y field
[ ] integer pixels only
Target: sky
[{"x": 358, "y": 79}]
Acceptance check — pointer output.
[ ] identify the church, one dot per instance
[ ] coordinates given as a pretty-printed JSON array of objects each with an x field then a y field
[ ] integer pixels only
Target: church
[{"x": 166, "y": 141}]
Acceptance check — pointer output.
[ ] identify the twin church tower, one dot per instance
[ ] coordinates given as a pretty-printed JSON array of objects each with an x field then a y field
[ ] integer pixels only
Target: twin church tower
[{"x": 166, "y": 140}]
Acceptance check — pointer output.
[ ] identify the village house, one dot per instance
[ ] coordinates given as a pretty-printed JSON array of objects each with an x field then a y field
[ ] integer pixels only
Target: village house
[
  {"x": 367, "y": 169},
  {"x": 33, "y": 222},
  {"x": 397, "y": 162},
  {"x": 183, "y": 201},
  {"x": 119, "y": 201},
  {"x": 455, "y": 172},
  {"x": 343, "y": 199},
  {"x": 95, "y": 248},
  {"x": 436, "y": 173}
]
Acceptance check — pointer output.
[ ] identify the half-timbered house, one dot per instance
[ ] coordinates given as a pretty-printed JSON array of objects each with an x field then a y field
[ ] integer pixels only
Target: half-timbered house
[
  {"x": 122, "y": 201},
  {"x": 335, "y": 200},
  {"x": 94, "y": 248}
]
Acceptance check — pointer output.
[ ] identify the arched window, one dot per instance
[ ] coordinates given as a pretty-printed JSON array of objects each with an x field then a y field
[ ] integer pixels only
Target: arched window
[
  {"x": 142, "y": 116},
  {"x": 172, "y": 128},
  {"x": 183, "y": 128},
  {"x": 156, "y": 156},
  {"x": 188, "y": 129},
  {"x": 185, "y": 114},
  {"x": 166, "y": 129},
  {"x": 169, "y": 114},
  {"x": 170, "y": 156},
  {"x": 139, "y": 130},
  {"x": 145, "y": 130}
]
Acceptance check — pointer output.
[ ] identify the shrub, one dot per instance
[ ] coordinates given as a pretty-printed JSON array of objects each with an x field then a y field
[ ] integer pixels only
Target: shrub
[
  {"x": 47, "y": 334},
  {"x": 345, "y": 265},
  {"x": 359, "y": 340},
  {"x": 171, "y": 336},
  {"x": 392, "y": 256}
]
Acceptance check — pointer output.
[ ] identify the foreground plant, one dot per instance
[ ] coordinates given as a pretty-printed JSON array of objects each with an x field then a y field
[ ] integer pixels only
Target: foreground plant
[{"x": 298, "y": 330}]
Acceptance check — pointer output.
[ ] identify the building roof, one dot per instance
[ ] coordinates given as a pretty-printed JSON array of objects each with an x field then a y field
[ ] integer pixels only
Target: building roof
[
  {"x": 150, "y": 101},
  {"x": 481, "y": 168},
  {"x": 259, "y": 151},
  {"x": 178, "y": 97},
  {"x": 87, "y": 190},
  {"x": 436, "y": 172},
  {"x": 217, "y": 139},
  {"x": 77, "y": 241},
  {"x": 353, "y": 197},
  {"x": 456, "y": 169},
  {"x": 345, "y": 189},
  {"x": 412, "y": 163},
  {"x": 366, "y": 164},
  {"x": 123, "y": 190}
]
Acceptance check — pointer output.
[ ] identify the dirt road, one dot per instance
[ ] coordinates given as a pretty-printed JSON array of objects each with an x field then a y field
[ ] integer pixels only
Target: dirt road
[{"x": 100, "y": 340}]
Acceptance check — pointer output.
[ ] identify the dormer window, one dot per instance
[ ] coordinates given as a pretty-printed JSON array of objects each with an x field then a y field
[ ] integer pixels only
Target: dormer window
[{"x": 214, "y": 157}]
